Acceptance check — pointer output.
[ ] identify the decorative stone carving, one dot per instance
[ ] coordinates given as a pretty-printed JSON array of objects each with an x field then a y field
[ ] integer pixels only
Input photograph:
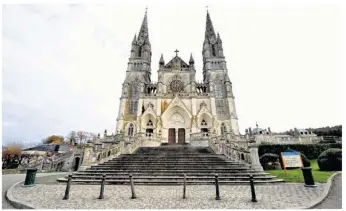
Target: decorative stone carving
[
  {"x": 150, "y": 105},
  {"x": 176, "y": 119},
  {"x": 176, "y": 85},
  {"x": 202, "y": 104}
]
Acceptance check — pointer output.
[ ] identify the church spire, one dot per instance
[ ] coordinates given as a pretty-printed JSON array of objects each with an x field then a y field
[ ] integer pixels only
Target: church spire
[
  {"x": 162, "y": 62},
  {"x": 134, "y": 39},
  {"x": 192, "y": 61},
  {"x": 144, "y": 32},
  {"x": 209, "y": 30}
]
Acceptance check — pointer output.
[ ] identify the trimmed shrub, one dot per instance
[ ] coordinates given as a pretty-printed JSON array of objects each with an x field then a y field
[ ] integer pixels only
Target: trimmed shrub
[
  {"x": 330, "y": 160},
  {"x": 311, "y": 151},
  {"x": 269, "y": 158}
]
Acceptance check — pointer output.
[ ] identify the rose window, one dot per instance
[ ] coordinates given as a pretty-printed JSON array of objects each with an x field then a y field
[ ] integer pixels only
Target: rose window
[{"x": 177, "y": 86}]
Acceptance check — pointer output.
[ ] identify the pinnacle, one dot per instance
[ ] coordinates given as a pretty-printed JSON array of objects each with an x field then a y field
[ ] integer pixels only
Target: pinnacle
[
  {"x": 191, "y": 59},
  {"x": 161, "y": 59}
]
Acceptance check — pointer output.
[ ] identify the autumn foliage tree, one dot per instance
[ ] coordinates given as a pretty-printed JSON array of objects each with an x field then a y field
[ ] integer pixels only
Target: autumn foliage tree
[
  {"x": 54, "y": 139},
  {"x": 13, "y": 149}
]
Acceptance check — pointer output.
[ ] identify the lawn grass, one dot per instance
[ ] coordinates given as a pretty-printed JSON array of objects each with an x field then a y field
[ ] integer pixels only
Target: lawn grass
[{"x": 296, "y": 175}]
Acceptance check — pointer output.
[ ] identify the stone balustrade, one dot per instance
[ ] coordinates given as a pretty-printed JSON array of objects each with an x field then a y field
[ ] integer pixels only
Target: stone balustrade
[{"x": 120, "y": 145}]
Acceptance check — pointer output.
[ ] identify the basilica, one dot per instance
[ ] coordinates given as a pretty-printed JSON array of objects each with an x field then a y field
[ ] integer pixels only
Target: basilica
[{"x": 176, "y": 107}]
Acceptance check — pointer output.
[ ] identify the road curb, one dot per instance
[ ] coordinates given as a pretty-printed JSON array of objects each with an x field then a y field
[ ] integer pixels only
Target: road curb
[
  {"x": 15, "y": 202},
  {"x": 325, "y": 192},
  {"x": 18, "y": 204}
]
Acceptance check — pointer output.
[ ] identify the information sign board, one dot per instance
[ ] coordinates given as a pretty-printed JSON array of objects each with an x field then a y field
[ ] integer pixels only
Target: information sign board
[{"x": 291, "y": 159}]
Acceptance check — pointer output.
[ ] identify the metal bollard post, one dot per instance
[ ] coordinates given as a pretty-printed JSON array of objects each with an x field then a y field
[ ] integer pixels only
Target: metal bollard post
[
  {"x": 30, "y": 177},
  {"x": 184, "y": 190},
  {"x": 67, "y": 191},
  {"x": 217, "y": 187},
  {"x": 308, "y": 178},
  {"x": 132, "y": 188},
  {"x": 102, "y": 186},
  {"x": 253, "y": 193}
]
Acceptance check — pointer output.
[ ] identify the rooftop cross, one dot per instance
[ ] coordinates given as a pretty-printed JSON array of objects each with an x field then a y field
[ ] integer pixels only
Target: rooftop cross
[{"x": 176, "y": 52}]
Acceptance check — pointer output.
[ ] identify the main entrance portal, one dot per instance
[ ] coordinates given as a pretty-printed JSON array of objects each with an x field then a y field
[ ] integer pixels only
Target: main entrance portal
[
  {"x": 176, "y": 134},
  {"x": 171, "y": 136},
  {"x": 181, "y": 135}
]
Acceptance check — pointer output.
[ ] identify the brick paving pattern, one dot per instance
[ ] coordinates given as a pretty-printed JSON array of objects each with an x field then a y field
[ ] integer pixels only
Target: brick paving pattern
[{"x": 278, "y": 196}]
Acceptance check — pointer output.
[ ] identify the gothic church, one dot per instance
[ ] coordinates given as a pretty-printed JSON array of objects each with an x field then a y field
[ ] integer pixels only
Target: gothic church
[{"x": 176, "y": 107}]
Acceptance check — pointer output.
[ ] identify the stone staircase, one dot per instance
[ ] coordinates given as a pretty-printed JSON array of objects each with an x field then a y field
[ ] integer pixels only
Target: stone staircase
[{"x": 167, "y": 164}]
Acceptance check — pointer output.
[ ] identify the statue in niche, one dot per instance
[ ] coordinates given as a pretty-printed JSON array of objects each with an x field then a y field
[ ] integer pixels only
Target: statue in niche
[{"x": 150, "y": 105}]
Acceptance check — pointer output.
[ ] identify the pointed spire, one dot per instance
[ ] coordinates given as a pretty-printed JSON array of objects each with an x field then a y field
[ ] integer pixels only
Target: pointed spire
[
  {"x": 134, "y": 39},
  {"x": 209, "y": 30},
  {"x": 144, "y": 32},
  {"x": 219, "y": 38},
  {"x": 192, "y": 61},
  {"x": 162, "y": 62}
]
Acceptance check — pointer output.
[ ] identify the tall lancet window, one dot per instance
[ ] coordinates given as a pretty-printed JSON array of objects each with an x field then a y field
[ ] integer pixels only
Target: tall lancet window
[
  {"x": 130, "y": 130},
  {"x": 140, "y": 51},
  {"x": 134, "y": 98},
  {"x": 213, "y": 50}
]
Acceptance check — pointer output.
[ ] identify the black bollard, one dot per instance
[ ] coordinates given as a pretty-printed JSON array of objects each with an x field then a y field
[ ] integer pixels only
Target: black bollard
[
  {"x": 67, "y": 191},
  {"x": 217, "y": 187},
  {"x": 102, "y": 186},
  {"x": 253, "y": 193},
  {"x": 132, "y": 188},
  {"x": 308, "y": 178},
  {"x": 184, "y": 190},
  {"x": 30, "y": 177}
]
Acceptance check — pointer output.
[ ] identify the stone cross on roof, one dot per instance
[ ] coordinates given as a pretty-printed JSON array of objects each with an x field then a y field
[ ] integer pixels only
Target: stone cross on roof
[{"x": 176, "y": 52}]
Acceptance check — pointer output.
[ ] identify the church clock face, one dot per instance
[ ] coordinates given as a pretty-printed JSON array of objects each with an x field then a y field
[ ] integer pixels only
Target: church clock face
[{"x": 177, "y": 85}]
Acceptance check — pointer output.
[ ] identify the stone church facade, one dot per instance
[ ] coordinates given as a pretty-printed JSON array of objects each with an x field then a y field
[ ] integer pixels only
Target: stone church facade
[{"x": 176, "y": 107}]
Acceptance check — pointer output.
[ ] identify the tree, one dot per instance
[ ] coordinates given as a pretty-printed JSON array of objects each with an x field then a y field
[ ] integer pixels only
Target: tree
[
  {"x": 54, "y": 139},
  {"x": 12, "y": 149},
  {"x": 72, "y": 136},
  {"x": 81, "y": 136}
]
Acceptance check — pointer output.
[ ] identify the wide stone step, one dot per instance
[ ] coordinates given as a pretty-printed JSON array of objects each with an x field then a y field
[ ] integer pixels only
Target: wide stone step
[
  {"x": 180, "y": 171},
  {"x": 170, "y": 158},
  {"x": 170, "y": 178},
  {"x": 179, "y": 174},
  {"x": 170, "y": 161},
  {"x": 171, "y": 182},
  {"x": 140, "y": 168},
  {"x": 170, "y": 164}
]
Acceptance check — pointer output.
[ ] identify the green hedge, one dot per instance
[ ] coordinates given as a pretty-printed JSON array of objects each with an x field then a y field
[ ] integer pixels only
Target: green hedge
[
  {"x": 330, "y": 160},
  {"x": 311, "y": 151}
]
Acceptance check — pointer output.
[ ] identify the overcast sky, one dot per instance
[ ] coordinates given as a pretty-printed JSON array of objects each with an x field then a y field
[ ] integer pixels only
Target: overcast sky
[{"x": 63, "y": 65}]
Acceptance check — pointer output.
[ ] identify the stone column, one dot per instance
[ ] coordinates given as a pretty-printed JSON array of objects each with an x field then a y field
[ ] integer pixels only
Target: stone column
[
  {"x": 176, "y": 135},
  {"x": 255, "y": 162},
  {"x": 87, "y": 160}
]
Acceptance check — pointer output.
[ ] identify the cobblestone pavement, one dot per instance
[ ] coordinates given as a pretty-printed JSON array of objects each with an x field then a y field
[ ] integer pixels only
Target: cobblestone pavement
[
  {"x": 278, "y": 196},
  {"x": 334, "y": 198},
  {"x": 9, "y": 179}
]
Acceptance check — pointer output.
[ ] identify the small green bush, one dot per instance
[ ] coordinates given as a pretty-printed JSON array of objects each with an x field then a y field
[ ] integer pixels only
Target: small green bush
[
  {"x": 311, "y": 151},
  {"x": 269, "y": 158},
  {"x": 330, "y": 160}
]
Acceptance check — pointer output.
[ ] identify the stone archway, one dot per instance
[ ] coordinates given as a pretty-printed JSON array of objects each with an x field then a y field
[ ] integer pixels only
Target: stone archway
[
  {"x": 176, "y": 122},
  {"x": 76, "y": 163}
]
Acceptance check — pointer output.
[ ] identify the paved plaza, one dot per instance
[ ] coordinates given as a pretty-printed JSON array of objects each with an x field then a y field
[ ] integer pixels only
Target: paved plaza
[{"x": 279, "y": 196}]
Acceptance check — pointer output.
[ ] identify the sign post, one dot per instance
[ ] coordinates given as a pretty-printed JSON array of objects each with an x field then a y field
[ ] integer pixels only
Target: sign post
[{"x": 291, "y": 159}]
